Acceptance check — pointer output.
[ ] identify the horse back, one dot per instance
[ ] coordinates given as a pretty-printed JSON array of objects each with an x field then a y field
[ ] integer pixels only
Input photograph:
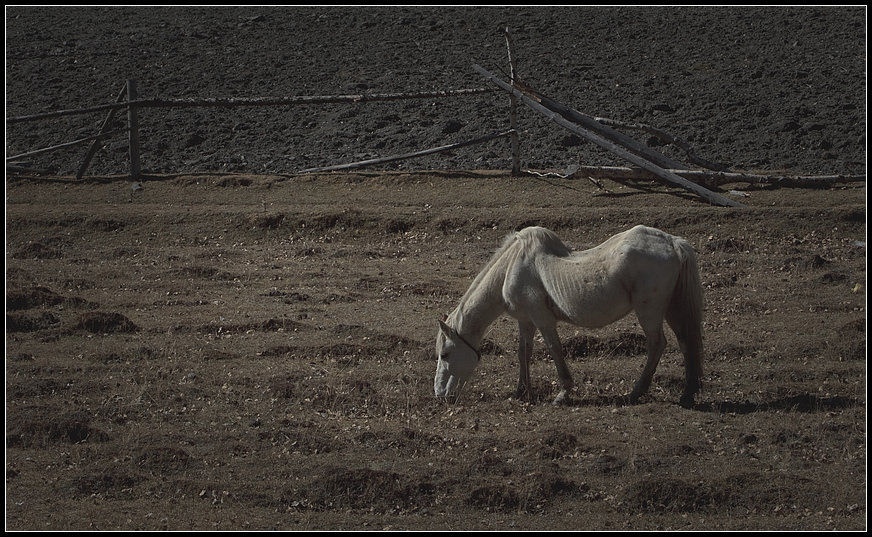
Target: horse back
[{"x": 597, "y": 286}]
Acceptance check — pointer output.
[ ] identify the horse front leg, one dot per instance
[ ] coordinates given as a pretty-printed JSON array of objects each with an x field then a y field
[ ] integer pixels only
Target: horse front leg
[{"x": 526, "y": 331}]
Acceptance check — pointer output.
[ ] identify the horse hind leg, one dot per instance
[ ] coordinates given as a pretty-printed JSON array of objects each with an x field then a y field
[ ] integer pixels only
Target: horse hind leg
[
  {"x": 690, "y": 343},
  {"x": 653, "y": 328},
  {"x": 684, "y": 315}
]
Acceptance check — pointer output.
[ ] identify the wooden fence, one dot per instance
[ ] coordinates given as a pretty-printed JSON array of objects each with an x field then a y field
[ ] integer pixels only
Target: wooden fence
[
  {"x": 127, "y": 100},
  {"x": 600, "y": 131}
]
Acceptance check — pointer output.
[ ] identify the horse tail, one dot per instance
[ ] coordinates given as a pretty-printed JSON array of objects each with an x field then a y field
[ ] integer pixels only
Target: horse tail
[{"x": 685, "y": 315}]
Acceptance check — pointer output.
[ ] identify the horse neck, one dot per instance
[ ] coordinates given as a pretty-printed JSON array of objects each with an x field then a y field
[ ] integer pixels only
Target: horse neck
[{"x": 483, "y": 302}]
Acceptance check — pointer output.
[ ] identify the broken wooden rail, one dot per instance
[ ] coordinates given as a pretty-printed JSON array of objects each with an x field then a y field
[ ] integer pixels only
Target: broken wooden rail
[
  {"x": 717, "y": 178},
  {"x": 49, "y": 149},
  {"x": 591, "y": 124},
  {"x": 394, "y": 158},
  {"x": 667, "y": 138},
  {"x": 616, "y": 144}
]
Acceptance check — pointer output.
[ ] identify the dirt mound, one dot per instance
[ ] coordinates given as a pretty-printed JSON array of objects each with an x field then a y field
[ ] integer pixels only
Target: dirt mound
[
  {"x": 362, "y": 488},
  {"x": 748, "y": 491},
  {"x": 39, "y": 426},
  {"x": 535, "y": 492},
  {"x": 99, "y": 322},
  {"x": 626, "y": 344}
]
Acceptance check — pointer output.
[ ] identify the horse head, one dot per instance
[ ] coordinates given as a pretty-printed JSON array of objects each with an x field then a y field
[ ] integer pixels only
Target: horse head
[{"x": 457, "y": 359}]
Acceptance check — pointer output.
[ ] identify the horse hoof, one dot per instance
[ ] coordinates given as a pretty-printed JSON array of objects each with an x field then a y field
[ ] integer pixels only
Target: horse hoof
[
  {"x": 561, "y": 399},
  {"x": 523, "y": 395},
  {"x": 686, "y": 401}
]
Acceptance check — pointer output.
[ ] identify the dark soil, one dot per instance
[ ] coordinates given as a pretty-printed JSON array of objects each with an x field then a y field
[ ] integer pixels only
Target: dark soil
[{"x": 254, "y": 350}]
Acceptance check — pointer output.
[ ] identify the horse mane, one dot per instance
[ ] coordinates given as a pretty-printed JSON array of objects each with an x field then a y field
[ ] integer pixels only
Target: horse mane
[
  {"x": 527, "y": 240},
  {"x": 507, "y": 243},
  {"x": 541, "y": 240}
]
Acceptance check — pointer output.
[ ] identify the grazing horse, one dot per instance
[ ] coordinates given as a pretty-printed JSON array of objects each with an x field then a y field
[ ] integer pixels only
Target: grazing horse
[{"x": 535, "y": 278}]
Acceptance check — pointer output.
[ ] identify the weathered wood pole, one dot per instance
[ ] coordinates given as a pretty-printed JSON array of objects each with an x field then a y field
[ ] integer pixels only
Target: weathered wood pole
[
  {"x": 405, "y": 156},
  {"x": 513, "y": 114},
  {"x": 133, "y": 124}
]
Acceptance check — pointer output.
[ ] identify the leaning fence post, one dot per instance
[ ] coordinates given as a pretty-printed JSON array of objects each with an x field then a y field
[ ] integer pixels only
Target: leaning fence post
[
  {"x": 133, "y": 124},
  {"x": 551, "y": 112},
  {"x": 97, "y": 141},
  {"x": 513, "y": 114}
]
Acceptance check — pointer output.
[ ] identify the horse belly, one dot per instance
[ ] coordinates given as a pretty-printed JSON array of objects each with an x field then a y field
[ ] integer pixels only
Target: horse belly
[{"x": 592, "y": 305}]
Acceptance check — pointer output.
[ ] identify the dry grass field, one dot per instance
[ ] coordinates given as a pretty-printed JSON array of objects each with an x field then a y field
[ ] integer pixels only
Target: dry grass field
[{"x": 256, "y": 352}]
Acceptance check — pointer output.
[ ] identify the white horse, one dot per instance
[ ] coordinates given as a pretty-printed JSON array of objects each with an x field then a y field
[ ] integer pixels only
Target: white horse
[{"x": 539, "y": 281}]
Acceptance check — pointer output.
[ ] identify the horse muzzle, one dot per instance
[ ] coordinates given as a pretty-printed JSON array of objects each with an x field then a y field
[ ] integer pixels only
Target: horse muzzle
[{"x": 449, "y": 391}]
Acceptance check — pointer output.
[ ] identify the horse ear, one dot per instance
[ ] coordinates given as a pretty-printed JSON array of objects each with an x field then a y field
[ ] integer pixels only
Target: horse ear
[{"x": 446, "y": 330}]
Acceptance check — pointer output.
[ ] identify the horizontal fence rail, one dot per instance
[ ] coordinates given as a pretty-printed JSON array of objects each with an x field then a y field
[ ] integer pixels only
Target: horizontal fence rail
[
  {"x": 66, "y": 144},
  {"x": 254, "y": 101}
]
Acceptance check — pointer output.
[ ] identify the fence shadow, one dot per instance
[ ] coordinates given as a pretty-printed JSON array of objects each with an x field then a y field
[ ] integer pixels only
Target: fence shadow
[{"x": 805, "y": 403}]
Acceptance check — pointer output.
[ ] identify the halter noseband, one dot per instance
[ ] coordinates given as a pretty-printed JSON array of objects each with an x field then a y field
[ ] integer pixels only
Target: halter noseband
[
  {"x": 468, "y": 344},
  {"x": 463, "y": 339}
]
